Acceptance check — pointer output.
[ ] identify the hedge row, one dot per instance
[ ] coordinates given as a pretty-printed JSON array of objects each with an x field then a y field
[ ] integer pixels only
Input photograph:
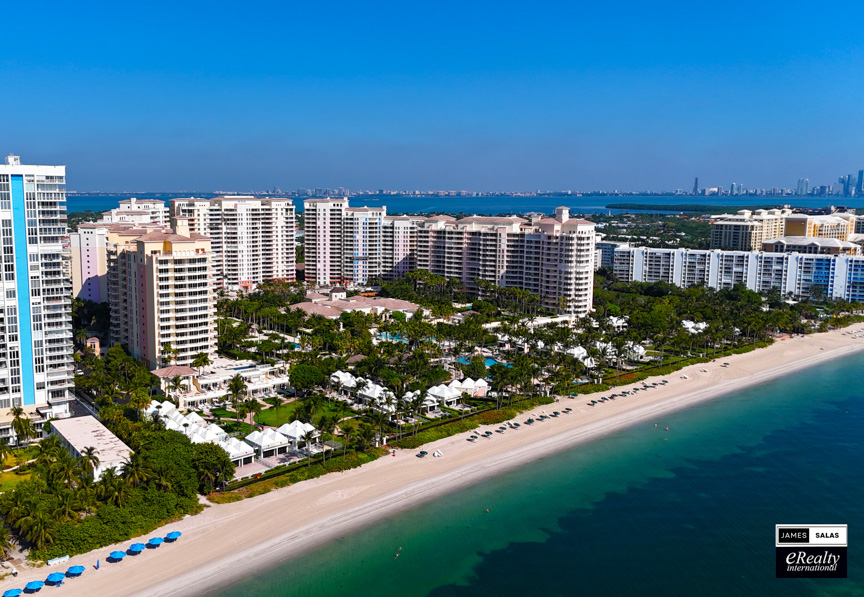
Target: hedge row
[
  {"x": 490, "y": 417},
  {"x": 302, "y": 472}
]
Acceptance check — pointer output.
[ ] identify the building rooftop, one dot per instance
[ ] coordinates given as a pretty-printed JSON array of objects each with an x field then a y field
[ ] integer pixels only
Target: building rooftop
[
  {"x": 156, "y": 236},
  {"x": 802, "y": 241},
  {"x": 84, "y": 432},
  {"x": 173, "y": 370}
]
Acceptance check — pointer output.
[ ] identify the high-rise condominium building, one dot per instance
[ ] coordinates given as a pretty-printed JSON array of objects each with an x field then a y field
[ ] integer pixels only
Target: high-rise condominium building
[
  {"x": 35, "y": 308},
  {"x": 802, "y": 275},
  {"x": 747, "y": 230},
  {"x": 837, "y": 225},
  {"x": 252, "y": 239},
  {"x": 363, "y": 244},
  {"x": 803, "y": 187},
  {"x": 137, "y": 211},
  {"x": 400, "y": 245},
  {"x": 323, "y": 223},
  {"x": 344, "y": 245},
  {"x": 93, "y": 245},
  {"x": 161, "y": 292},
  {"x": 551, "y": 257}
]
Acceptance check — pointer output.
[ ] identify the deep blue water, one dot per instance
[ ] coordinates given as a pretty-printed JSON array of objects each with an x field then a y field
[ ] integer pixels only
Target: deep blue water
[
  {"x": 405, "y": 204},
  {"x": 642, "y": 511}
]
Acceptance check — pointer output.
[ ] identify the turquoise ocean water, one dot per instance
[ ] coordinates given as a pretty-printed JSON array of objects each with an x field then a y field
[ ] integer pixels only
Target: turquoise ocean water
[
  {"x": 493, "y": 205},
  {"x": 643, "y": 511}
]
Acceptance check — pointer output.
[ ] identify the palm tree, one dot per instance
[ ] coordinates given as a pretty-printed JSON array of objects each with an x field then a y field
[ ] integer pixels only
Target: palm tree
[
  {"x": 169, "y": 353},
  {"x": 347, "y": 436},
  {"x": 278, "y": 401},
  {"x": 366, "y": 435},
  {"x": 81, "y": 337},
  {"x": 22, "y": 425},
  {"x": 5, "y": 450},
  {"x": 201, "y": 360},
  {"x": 85, "y": 492},
  {"x": 48, "y": 450},
  {"x": 308, "y": 437},
  {"x": 326, "y": 425},
  {"x": 39, "y": 527},
  {"x": 251, "y": 407},
  {"x": 175, "y": 384},
  {"x": 89, "y": 460},
  {"x": 5, "y": 543},
  {"x": 237, "y": 388},
  {"x": 68, "y": 507},
  {"x": 65, "y": 469},
  {"x": 135, "y": 470}
]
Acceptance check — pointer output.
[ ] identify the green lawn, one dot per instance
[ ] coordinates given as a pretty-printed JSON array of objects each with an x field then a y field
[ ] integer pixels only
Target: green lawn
[
  {"x": 9, "y": 481},
  {"x": 285, "y": 413},
  {"x": 22, "y": 454},
  {"x": 234, "y": 426},
  {"x": 223, "y": 412}
]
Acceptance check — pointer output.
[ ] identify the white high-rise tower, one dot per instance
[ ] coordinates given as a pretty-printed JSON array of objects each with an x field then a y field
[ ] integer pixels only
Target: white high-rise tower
[{"x": 36, "y": 369}]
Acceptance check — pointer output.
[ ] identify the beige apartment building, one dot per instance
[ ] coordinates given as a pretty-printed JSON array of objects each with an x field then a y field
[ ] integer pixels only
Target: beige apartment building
[
  {"x": 551, "y": 257},
  {"x": 839, "y": 226},
  {"x": 161, "y": 292},
  {"x": 747, "y": 230}
]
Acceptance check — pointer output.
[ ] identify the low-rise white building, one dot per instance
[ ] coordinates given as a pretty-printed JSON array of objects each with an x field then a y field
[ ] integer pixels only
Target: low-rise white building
[
  {"x": 80, "y": 433},
  {"x": 211, "y": 384}
]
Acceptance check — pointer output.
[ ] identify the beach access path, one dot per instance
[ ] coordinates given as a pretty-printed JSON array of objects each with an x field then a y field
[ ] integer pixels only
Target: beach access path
[{"x": 229, "y": 542}]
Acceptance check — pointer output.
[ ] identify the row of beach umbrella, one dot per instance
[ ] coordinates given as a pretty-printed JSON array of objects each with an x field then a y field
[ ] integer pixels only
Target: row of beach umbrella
[{"x": 56, "y": 578}]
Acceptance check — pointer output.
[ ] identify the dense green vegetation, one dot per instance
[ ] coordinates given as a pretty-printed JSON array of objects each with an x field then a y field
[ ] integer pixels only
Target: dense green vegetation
[
  {"x": 63, "y": 510},
  {"x": 656, "y": 230},
  {"x": 74, "y": 218}
]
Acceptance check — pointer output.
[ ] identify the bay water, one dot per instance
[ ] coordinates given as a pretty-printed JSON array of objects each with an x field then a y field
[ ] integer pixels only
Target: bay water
[
  {"x": 690, "y": 511},
  {"x": 494, "y": 205}
]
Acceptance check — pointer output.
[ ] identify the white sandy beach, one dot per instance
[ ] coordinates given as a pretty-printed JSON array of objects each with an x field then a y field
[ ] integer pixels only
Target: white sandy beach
[{"x": 230, "y": 541}]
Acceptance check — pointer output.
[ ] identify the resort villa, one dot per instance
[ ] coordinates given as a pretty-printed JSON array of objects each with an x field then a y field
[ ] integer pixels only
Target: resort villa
[{"x": 211, "y": 384}]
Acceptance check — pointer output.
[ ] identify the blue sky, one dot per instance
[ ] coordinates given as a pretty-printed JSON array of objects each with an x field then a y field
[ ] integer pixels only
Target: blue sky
[{"x": 430, "y": 95}]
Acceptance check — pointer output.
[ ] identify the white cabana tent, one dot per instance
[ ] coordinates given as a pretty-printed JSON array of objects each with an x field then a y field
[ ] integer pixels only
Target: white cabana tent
[
  {"x": 239, "y": 452},
  {"x": 268, "y": 442},
  {"x": 296, "y": 432}
]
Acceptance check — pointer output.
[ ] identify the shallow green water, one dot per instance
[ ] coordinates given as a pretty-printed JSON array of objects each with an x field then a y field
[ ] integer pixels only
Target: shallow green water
[{"x": 685, "y": 512}]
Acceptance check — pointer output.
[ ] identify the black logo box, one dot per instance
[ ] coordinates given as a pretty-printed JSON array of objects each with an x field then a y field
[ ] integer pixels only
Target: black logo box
[
  {"x": 786, "y": 570},
  {"x": 794, "y": 535}
]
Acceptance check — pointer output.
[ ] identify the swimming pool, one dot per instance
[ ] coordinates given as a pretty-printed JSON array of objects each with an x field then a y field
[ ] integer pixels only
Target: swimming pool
[{"x": 489, "y": 361}]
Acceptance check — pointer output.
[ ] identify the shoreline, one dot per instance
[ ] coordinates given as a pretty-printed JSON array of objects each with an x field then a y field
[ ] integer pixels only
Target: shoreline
[{"x": 230, "y": 542}]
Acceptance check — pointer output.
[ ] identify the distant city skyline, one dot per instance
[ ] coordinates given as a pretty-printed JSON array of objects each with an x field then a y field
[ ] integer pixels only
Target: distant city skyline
[{"x": 510, "y": 96}]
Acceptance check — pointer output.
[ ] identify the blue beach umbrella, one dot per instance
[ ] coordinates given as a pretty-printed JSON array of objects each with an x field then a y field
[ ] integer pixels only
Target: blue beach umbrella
[
  {"x": 12, "y": 593},
  {"x": 55, "y": 577},
  {"x": 34, "y": 585},
  {"x": 75, "y": 571},
  {"x": 173, "y": 535},
  {"x": 137, "y": 548},
  {"x": 117, "y": 555},
  {"x": 155, "y": 542}
]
